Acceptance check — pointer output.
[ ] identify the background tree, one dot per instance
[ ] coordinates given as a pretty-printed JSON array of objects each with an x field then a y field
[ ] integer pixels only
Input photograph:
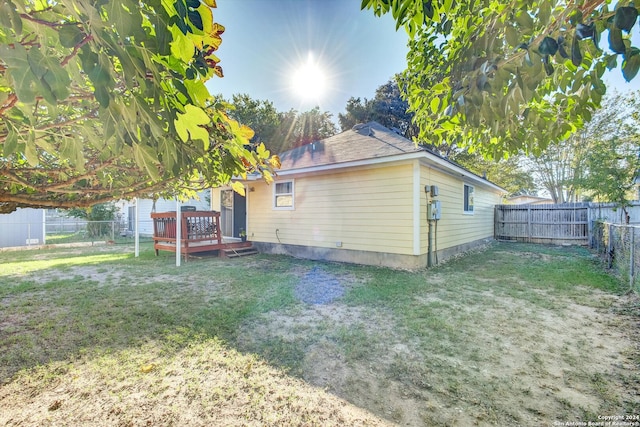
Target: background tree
[
  {"x": 509, "y": 174},
  {"x": 387, "y": 108},
  {"x": 309, "y": 126},
  {"x": 106, "y": 99},
  {"x": 99, "y": 217},
  {"x": 510, "y": 75},
  {"x": 281, "y": 131},
  {"x": 612, "y": 167},
  {"x": 560, "y": 167},
  {"x": 599, "y": 161},
  {"x": 612, "y": 161},
  {"x": 259, "y": 115}
]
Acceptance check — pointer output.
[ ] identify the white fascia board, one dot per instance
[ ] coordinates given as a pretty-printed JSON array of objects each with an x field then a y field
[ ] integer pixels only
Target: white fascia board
[
  {"x": 356, "y": 163},
  {"x": 457, "y": 171},
  {"x": 425, "y": 158}
]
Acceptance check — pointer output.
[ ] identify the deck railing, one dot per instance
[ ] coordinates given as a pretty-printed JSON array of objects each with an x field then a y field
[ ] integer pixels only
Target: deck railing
[{"x": 195, "y": 226}]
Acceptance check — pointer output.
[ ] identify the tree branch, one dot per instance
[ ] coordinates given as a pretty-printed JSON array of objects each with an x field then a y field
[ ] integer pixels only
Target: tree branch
[
  {"x": 77, "y": 47},
  {"x": 9, "y": 103},
  {"x": 42, "y": 21}
]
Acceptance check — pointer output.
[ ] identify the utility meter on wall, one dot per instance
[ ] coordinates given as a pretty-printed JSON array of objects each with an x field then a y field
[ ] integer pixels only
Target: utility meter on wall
[{"x": 433, "y": 210}]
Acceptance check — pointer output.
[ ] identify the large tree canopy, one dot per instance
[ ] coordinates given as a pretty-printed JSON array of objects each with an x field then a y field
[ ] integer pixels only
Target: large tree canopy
[
  {"x": 280, "y": 131},
  {"x": 600, "y": 161},
  {"x": 387, "y": 108},
  {"x": 510, "y": 75},
  {"x": 106, "y": 99}
]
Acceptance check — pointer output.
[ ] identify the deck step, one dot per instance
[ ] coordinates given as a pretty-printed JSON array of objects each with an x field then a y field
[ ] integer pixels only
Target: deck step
[{"x": 238, "y": 252}]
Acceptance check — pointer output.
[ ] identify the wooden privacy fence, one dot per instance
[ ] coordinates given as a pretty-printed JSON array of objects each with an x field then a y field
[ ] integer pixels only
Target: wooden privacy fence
[
  {"x": 559, "y": 223},
  {"x": 566, "y": 223}
]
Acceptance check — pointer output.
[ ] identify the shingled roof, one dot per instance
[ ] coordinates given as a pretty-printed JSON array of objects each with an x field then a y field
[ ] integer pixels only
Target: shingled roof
[{"x": 363, "y": 142}]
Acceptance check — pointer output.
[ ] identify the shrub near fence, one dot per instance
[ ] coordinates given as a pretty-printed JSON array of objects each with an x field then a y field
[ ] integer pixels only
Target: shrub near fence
[{"x": 618, "y": 245}]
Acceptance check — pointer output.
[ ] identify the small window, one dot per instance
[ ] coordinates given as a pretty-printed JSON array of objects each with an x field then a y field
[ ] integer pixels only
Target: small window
[
  {"x": 468, "y": 198},
  {"x": 283, "y": 195}
]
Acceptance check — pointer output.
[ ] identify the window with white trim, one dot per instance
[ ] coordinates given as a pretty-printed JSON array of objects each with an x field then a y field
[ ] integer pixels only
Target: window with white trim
[
  {"x": 468, "y": 199},
  {"x": 283, "y": 195}
]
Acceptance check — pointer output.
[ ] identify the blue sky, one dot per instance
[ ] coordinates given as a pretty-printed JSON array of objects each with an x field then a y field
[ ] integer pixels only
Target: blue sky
[{"x": 266, "y": 41}]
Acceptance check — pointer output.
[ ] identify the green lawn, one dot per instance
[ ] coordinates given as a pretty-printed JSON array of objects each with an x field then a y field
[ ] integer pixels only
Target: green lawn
[{"x": 513, "y": 334}]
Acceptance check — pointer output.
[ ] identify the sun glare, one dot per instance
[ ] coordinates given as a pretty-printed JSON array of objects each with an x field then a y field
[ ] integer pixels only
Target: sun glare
[{"x": 309, "y": 81}]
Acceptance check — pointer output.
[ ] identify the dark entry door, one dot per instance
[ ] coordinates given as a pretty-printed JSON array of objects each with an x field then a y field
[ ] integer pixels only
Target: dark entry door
[{"x": 233, "y": 215}]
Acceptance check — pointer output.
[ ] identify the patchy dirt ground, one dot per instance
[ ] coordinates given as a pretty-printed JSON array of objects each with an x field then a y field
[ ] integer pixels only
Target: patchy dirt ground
[
  {"x": 461, "y": 355},
  {"x": 519, "y": 365}
]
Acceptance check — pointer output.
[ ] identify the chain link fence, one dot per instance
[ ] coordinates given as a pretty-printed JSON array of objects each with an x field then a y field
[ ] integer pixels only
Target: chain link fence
[
  {"x": 618, "y": 246},
  {"x": 71, "y": 231},
  {"x": 113, "y": 232}
]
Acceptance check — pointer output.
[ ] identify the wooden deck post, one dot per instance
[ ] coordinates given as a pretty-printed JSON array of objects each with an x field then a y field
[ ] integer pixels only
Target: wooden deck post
[{"x": 178, "y": 232}]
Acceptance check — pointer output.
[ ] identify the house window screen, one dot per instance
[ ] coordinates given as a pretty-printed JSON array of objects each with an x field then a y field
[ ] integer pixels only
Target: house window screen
[
  {"x": 468, "y": 198},
  {"x": 283, "y": 195}
]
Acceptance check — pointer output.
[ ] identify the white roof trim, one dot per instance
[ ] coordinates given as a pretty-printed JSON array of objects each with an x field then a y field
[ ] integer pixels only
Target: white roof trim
[
  {"x": 425, "y": 157},
  {"x": 461, "y": 172}
]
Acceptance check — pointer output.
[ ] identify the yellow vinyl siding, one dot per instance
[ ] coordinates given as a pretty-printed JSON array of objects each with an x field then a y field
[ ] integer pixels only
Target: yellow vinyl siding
[
  {"x": 368, "y": 209},
  {"x": 457, "y": 227},
  {"x": 424, "y": 230}
]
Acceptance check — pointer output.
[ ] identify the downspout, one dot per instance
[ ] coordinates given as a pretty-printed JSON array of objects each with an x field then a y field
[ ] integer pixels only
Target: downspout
[
  {"x": 430, "y": 262},
  {"x": 429, "y": 232}
]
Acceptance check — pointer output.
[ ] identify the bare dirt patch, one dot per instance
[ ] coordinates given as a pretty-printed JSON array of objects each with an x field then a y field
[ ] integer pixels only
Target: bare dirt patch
[
  {"x": 506, "y": 362},
  {"x": 453, "y": 346}
]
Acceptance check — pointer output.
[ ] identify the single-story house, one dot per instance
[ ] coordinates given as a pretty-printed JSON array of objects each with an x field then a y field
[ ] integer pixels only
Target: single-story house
[
  {"x": 362, "y": 196},
  {"x": 23, "y": 227}
]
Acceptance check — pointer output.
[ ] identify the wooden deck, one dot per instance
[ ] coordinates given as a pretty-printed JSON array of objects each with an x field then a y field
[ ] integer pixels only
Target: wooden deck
[{"x": 199, "y": 232}]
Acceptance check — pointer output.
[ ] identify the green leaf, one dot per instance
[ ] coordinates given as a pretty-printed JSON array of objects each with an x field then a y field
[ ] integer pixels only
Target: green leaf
[
  {"x": 181, "y": 8},
  {"x": 548, "y": 67},
  {"x": 511, "y": 34},
  {"x": 70, "y": 35},
  {"x": 435, "y": 105},
  {"x": 181, "y": 46},
  {"x": 196, "y": 19},
  {"x": 545, "y": 12},
  {"x": 37, "y": 61},
  {"x": 548, "y": 46},
  {"x": 197, "y": 91},
  {"x": 10, "y": 143},
  {"x": 524, "y": 19},
  {"x": 189, "y": 125},
  {"x": 563, "y": 53},
  {"x": 5, "y": 14},
  {"x": 102, "y": 96},
  {"x": 585, "y": 31},
  {"x": 58, "y": 80},
  {"x": 147, "y": 158},
  {"x": 625, "y": 18},
  {"x": 630, "y": 66},
  {"x": 576, "y": 55},
  {"x": 30, "y": 152},
  {"x": 615, "y": 40},
  {"x": 11, "y": 18},
  {"x": 576, "y": 17},
  {"x": 24, "y": 81},
  {"x": 53, "y": 80}
]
